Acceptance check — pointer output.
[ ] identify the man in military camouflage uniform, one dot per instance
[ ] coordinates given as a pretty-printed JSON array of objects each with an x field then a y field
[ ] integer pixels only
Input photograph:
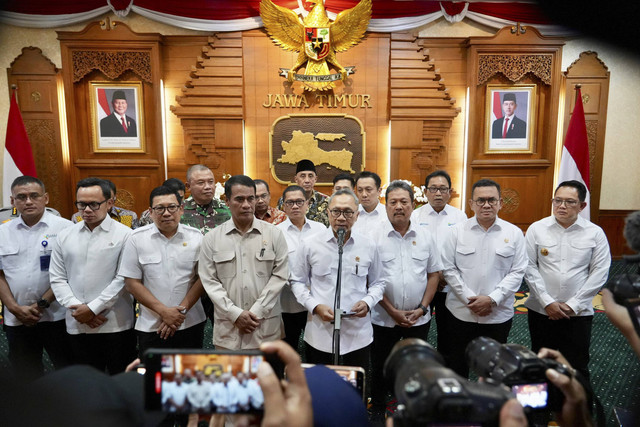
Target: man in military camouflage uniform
[
  {"x": 122, "y": 215},
  {"x": 173, "y": 183},
  {"x": 306, "y": 178},
  {"x": 201, "y": 209}
]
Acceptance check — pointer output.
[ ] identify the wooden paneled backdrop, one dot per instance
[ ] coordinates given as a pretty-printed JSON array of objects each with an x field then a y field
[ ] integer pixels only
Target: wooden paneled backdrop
[{"x": 426, "y": 95}]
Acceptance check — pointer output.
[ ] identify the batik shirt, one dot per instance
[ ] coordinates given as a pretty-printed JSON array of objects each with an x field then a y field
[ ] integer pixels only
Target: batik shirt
[{"x": 205, "y": 218}]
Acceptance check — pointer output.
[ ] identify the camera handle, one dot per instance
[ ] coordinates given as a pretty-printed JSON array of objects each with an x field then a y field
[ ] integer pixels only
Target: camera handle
[{"x": 337, "y": 312}]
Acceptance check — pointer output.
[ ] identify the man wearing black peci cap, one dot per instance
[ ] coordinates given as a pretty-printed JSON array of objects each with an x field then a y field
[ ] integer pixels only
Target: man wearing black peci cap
[
  {"x": 118, "y": 123},
  {"x": 306, "y": 178},
  {"x": 509, "y": 126}
]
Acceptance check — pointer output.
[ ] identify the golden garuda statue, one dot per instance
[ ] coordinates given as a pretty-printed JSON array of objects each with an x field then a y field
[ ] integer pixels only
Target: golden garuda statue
[{"x": 316, "y": 38}]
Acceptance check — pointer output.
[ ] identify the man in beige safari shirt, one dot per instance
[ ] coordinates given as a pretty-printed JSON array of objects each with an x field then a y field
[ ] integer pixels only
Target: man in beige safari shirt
[{"x": 243, "y": 268}]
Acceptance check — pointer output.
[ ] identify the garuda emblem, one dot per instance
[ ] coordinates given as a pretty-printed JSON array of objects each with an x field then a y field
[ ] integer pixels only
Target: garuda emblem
[{"x": 316, "y": 38}]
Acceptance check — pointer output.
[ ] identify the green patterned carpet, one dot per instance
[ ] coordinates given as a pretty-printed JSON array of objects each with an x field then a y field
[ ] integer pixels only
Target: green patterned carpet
[{"x": 615, "y": 370}]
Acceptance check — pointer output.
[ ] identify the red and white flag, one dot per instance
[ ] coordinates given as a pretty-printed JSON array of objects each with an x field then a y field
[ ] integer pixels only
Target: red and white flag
[
  {"x": 18, "y": 157},
  {"x": 574, "y": 163}
]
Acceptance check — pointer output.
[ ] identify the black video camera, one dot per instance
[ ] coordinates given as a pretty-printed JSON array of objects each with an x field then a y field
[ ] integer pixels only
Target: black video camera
[
  {"x": 429, "y": 394},
  {"x": 518, "y": 368}
]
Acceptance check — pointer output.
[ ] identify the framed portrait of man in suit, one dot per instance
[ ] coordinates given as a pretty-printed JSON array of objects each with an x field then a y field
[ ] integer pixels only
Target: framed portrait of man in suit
[
  {"x": 510, "y": 118},
  {"x": 117, "y": 116}
]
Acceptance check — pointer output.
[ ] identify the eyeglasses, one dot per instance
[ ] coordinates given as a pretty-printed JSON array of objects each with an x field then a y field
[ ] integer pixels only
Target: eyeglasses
[
  {"x": 337, "y": 212},
  {"x": 481, "y": 201},
  {"x": 33, "y": 196},
  {"x": 159, "y": 210},
  {"x": 94, "y": 206},
  {"x": 443, "y": 190},
  {"x": 290, "y": 203},
  {"x": 570, "y": 203}
]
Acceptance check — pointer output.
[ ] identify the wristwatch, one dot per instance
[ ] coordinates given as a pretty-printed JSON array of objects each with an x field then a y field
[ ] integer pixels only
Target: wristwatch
[
  {"x": 425, "y": 310},
  {"x": 43, "y": 303}
]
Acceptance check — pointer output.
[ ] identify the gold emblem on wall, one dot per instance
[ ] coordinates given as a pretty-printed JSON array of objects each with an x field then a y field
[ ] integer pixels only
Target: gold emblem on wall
[
  {"x": 333, "y": 142},
  {"x": 317, "y": 39}
]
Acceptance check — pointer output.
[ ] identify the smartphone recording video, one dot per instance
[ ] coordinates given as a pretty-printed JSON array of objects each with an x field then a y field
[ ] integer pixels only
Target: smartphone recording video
[{"x": 204, "y": 382}]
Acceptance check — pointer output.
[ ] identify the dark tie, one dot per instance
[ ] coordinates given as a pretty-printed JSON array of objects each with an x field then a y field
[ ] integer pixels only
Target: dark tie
[
  {"x": 124, "y": 126},
  {"x": 504, "y": 131}
]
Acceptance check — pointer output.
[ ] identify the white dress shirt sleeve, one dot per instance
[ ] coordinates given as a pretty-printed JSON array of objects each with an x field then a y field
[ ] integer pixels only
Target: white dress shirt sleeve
[
  {"x": 378, "y": 279},
  {"x": 532, "y": 276},
  {"x": 59, "y": 279},
  {"x": 451, "y": 273},
  {"x": 299, "y": 277},
  {"x": 598, "y": 273}
]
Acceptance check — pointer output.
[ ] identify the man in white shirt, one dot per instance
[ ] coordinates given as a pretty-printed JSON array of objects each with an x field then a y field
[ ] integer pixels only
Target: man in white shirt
[
  {"x": 371, "y": 213},
  {"x": 243, "y": 267},
  {"x": 412, "y": 263},
  {"x": 484, "y": 260},
  {"x": 199, "y": 394},
  {"x": 569, "y": 261},
  {"x": 175, "y": 396},
  {"x": 83, "y": 277},
  {"x": 33, "y": 319},
  {"x": 159, "y": 264},
  {"x": 313, "y": 280},
  {"x": 343, "y": 180},
  {"x": 438, "y": 216},
  {"x": 295, "y": 227}
]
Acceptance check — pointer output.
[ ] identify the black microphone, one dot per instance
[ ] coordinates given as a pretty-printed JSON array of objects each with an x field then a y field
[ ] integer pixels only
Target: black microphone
[{"x": 341, "y": 232}]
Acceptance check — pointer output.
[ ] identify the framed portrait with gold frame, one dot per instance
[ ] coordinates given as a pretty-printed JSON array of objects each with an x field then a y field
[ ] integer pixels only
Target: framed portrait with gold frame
[
  {"x": 510, "y": 119},
  {"x": 117, "y": 117}
]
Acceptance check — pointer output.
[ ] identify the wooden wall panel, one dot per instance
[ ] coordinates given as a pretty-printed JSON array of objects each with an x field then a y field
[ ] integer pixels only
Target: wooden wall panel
[
  {"x": 37, "y": 78},
  {"x": 262, "y": 60},
  {"x": 612, "y": 222},
  {"x": 92, "y": 54},
  {"x": 536, "y": 61}
]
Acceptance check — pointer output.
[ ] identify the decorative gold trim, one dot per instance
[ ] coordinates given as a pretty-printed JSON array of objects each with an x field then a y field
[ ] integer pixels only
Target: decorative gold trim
[
  {"x": 95, "y": 124},
  {"x": 515, "y": 66},
  {"x": 531, "y": 118},
  {"x": 289, "y": 116}
]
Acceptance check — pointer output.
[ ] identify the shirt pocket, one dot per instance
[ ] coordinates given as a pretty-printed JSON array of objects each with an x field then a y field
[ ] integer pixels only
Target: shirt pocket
[
  {"x": 264, "y": 262},
  {"x": 420, "y": 260},
  {"x": 9, "y": 254},
  {"x": 225, "y": 263},
  {"x": 504, "y": 257},
  {"x": 151, "y": 265},
  {"x": 581, "y": 251},
  {"x": 321, "y": 271},
  {"x": 466, "y": 257}
]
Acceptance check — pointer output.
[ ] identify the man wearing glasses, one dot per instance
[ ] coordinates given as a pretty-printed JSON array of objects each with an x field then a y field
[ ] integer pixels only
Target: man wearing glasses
[
  {"x": 313, "y": 280},
  {"x": 295, "y": 227},
  {"x": 159, "y": 266},
  {"x": 33, "y": 319},
  {"x": 484, "y": 260},
  {"x": 265, "y": 212},
  {"x": 438, "y": 216},
  {"x": 569, "y": 261},
  {"x": 83, "y": 277}
]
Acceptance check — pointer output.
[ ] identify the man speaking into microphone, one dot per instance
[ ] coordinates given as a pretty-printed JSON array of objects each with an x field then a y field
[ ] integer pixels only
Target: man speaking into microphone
[{"x": 313, "y": 281}]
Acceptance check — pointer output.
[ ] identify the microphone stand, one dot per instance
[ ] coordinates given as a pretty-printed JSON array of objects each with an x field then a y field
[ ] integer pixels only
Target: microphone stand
[{"x": 337, "y": 311}]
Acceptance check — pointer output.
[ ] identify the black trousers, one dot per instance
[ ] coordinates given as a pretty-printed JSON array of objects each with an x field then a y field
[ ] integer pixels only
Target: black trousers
[
  {"x": 294, "y": 324},
  {"x": 461, "y": 333},
  {"x": 572, "y": 337},
  {"x": 27, "y": 342},
  {"x": 108, "y": 352},
  {"x": 191, "y": 337},
  {"x": 383, "y": 341}
]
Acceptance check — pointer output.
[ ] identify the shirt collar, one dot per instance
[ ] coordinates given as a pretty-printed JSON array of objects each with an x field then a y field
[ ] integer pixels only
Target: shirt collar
[
  {"x": 231, "y": 226},
  {"x": 474, "y": 223},
  {"x": 105, "y": 224},
  {"x": 579, "y": 223},
  {"x": 444, "y": 211},
  {"x": 156, "y": 230},
  {"x": 46, "y": 217}
]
